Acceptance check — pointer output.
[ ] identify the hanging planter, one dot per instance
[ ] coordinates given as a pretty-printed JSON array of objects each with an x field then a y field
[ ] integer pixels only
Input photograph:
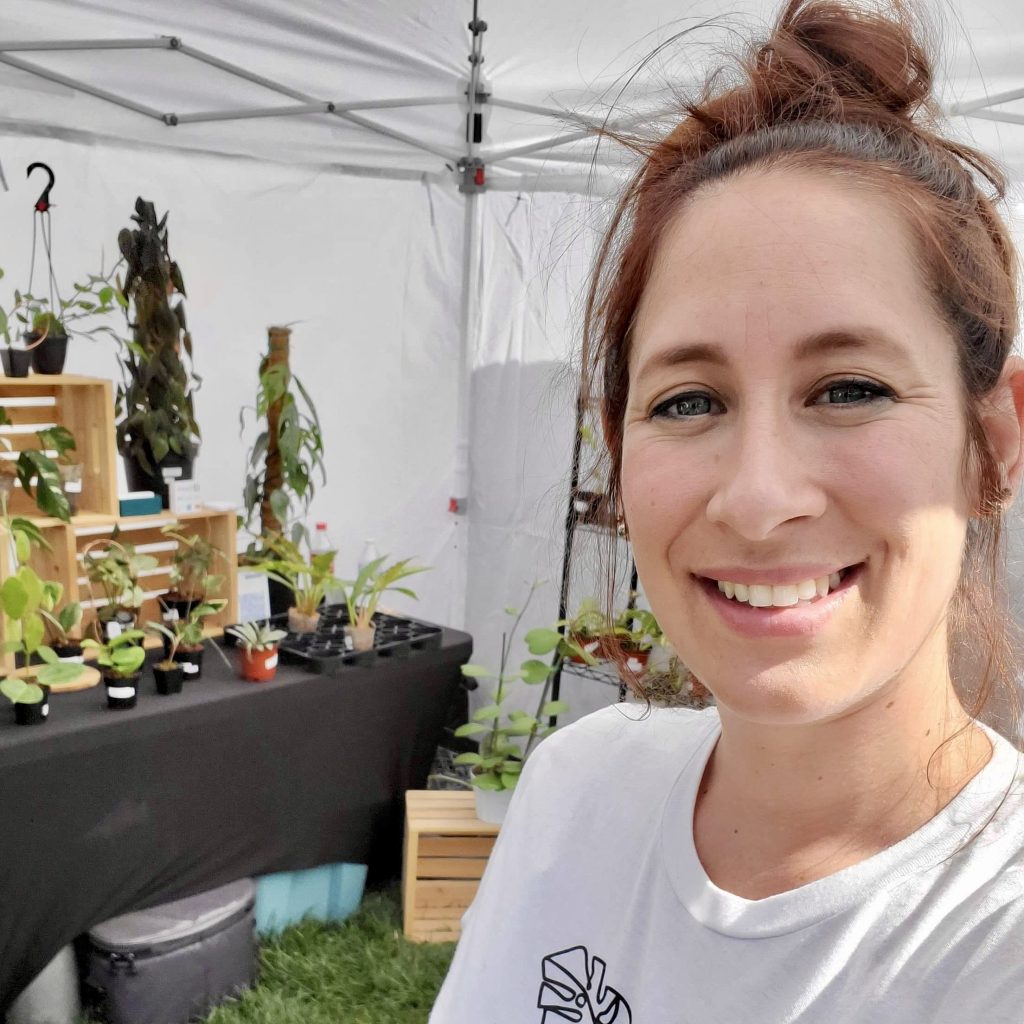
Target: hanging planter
[
  {"x": 17, "y": 361},
  {"x": 49, "y": 350}
]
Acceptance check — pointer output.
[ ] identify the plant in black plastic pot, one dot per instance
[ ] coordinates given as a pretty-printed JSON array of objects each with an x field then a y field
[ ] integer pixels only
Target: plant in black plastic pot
[
  {"x": 183, "y": 638},
  {"x": 120, "y": 660},
  {"x": 495, "y": 769},
  {"x": 192, "y": 579},
  {"x": 46, "y": 323},
  {"x": 363, "y": 594},
  {"x": 59, "y": 622},
  {"x": 157, "y": 432},
  {"x": 115, "y": 567}
]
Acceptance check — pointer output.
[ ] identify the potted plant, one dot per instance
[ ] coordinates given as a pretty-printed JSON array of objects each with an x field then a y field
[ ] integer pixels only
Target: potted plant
[
  {"x": 61, "y": 442},
  {"x": 59, "y": 621},
  {"x": 584, "y": 630},
  {"x": 157, "y": 433},
  {"x": 363, "y": 594},
  {"x": 192, "y": 580},
  {"x": 496, "y": 767},
  {"x": 188, "y": 638},
  {"x": 47, "y": 322},
  {"x": 120, "y": 659},
  {"x": 308, "y": 579},
  {"x": 257, "y": 655},
  {"x": 115, "y": 567},
  {"x": 629, "y": 644}
]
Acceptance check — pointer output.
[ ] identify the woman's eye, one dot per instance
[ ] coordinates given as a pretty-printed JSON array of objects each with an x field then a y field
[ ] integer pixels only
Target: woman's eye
[
  {"x": 685, "y": 406},
  {"x": 852, "y": 392}
]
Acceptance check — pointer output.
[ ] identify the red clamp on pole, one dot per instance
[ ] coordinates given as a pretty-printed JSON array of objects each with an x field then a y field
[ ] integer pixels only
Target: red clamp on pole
[{"x": 478, "y": 178}]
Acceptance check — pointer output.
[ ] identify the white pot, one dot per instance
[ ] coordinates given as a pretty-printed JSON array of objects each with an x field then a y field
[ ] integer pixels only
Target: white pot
[
  {"x": 361, "y": 636},
  {"x": 492, "y": 804}
]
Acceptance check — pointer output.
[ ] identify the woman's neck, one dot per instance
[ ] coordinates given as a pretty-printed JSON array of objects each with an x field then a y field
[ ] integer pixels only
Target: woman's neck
[{"x": 782, "y": 805}]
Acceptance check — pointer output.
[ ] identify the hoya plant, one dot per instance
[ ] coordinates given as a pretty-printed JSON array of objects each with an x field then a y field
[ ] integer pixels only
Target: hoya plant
[
  {"x": 121, "y": 656},
  {"x": 506, "y": 737}
]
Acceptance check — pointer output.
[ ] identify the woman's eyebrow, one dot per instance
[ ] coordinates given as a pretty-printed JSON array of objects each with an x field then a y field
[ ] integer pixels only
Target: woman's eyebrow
[{"x": 836, "y": 340}]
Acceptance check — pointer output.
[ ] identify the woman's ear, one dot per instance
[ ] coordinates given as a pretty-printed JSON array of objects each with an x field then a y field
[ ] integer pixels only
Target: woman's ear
[{"x": 1004, "y": 421}]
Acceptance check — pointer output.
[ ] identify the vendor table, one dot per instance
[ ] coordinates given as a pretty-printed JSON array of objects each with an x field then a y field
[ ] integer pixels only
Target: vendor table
[{"x": 103, "y": 812}]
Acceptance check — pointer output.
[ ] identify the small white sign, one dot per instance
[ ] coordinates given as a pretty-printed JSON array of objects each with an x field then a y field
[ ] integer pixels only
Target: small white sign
[
  {"x": 183, "y": 496},
  {"x": 271, "y": 662},
  {"x": 121, "y": 692},
  {"x": 253, "y": 596},
  {"x": 190, "y": 667}
]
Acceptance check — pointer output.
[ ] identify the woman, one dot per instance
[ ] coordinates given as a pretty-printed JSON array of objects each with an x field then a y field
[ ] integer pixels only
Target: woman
[{"x": 801, "y": 327}]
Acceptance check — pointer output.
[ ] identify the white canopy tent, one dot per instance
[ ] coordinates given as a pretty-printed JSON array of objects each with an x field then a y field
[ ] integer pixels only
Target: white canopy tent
[{"x": 314, "y": 157}]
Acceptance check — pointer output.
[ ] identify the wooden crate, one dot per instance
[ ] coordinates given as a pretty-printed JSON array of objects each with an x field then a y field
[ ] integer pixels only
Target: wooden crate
[
  {"x": 446, "y": 851},
  {"x": 85, "y": 405},
  {"x": 67, "y": 541}
]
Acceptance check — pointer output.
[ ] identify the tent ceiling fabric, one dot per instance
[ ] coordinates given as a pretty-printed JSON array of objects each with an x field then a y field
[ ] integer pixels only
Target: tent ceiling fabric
[{"x": 571, "y": 55}]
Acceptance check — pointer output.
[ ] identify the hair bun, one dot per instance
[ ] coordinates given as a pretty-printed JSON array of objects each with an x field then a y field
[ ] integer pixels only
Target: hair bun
[{"x": 830, "y": 58}]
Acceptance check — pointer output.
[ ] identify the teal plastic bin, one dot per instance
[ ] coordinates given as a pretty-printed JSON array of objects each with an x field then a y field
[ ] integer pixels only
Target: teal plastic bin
[{"x": 330, "y": 892}]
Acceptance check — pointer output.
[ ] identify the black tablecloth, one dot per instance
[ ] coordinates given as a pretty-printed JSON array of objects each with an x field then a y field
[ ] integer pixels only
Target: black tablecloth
[{"x": 103, "y": 812}]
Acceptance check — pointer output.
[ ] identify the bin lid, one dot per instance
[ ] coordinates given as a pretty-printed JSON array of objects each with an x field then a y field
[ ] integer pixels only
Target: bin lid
[{"x": 173, "y": 924}]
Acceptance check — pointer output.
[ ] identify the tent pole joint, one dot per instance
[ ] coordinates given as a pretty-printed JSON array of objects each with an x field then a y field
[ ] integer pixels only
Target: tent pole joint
[{"x": 473, "y": 173}]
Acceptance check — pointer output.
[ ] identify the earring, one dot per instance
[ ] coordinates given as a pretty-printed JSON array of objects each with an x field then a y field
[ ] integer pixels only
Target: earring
[{"x": 621, "y": 528}]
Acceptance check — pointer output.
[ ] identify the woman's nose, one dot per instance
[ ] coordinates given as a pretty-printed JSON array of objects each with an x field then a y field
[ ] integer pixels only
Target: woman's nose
[{"x": 765, "y": 477}]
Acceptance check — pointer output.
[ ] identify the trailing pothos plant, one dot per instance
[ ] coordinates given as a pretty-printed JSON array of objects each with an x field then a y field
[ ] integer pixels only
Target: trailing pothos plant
[
  {"x": 500, "y": 759},
  {"x": 287, "y": 455},
  {"x": 154, "y": 405}
]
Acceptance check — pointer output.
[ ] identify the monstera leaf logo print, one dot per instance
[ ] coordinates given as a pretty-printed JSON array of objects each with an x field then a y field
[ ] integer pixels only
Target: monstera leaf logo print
[{"x": 573, "y": 989}]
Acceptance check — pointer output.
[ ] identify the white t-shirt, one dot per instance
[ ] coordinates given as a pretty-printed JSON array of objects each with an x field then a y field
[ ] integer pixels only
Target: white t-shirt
[{"x": 595, "y": 907}]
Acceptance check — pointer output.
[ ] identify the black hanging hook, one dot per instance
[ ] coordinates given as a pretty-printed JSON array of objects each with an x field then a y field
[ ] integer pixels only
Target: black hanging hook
[{"x": 43, "y": 202}]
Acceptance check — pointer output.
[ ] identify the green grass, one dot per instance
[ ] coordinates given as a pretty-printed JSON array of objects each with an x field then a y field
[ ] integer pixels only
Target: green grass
[{"x": 361, "y": 971}]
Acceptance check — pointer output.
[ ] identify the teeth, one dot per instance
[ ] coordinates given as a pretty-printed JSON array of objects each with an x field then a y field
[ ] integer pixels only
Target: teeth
[{"x": 761, "y": 595}]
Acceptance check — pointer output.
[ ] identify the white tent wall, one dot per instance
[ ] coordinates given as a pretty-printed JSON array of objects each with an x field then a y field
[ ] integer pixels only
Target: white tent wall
[{"x": 368, "y": 270}]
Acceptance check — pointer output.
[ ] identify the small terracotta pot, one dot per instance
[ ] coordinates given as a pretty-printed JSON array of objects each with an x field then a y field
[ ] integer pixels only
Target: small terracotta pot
[
  {"x": 362, "y": 637},
  {"x": 299, "y": 623},
  {"x": 257, "y": 666},
  {"x": 591, "y": 644}
]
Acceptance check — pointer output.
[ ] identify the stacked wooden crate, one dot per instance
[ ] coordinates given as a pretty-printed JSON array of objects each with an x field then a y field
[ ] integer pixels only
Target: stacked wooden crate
[
  {"x": 85, "y": 405},
  {"x": 446, "y": 850}
]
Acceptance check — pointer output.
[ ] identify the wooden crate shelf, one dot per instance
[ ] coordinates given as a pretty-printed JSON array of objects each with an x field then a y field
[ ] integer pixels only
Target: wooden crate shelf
[
  {"x": 85, "y": 405},
  {"x": 446, "y": 850}
]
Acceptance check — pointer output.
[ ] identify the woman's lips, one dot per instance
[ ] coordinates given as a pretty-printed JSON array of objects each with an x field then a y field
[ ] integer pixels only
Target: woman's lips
[{"x": 800, "y": 619}]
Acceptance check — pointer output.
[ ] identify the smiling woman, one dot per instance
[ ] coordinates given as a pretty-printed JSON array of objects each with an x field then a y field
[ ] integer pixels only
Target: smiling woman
[{"x": 799, "y": 335}]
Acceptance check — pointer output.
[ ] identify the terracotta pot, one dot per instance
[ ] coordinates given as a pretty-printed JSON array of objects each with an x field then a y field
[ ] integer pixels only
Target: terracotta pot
[
  {"x": 362, "y": 637},
  {"x": 591, "y": 644},
  {"x": 299, "y": 623},
  {"x": 257, "y": 666}
]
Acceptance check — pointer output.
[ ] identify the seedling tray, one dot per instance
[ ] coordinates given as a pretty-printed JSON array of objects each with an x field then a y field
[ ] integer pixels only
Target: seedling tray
[{"x": 326, "y": 651}]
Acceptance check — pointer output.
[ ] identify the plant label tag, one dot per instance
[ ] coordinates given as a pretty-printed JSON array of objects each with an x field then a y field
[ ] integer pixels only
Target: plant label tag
[
  {"x": 271, "y": 662},
  {"x": 190, "y": 667},
  {"x": 171, "y": 615},
  {"x": 74, "y": 659},
  {"x": 73, "y": 487},
  {"x": 46, "y": 710},
  {"x": 113, "y": 630},
  {"x": 634, "y": 664},
  {"x": 253, "y": 596},
  {"x": 121, "y": 692},
  {"x": 183, "y": 495}
]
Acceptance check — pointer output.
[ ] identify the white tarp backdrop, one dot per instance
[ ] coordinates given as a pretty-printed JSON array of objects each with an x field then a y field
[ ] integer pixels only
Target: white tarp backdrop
[{"x": 358, "y": 237}]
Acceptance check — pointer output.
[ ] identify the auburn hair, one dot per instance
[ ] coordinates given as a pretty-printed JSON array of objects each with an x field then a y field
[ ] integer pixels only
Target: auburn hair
[{"x": 845, "y": 90}]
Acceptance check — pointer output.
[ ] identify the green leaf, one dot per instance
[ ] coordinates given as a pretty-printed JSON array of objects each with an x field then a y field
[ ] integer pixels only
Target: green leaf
[
  {"x": 477, "y": 671},
  {"x": 542, "y": 641},
  {"x": 22, "y": 547},
  {"x": 512, "y": 767},
  {"x": 470, "y": 729},
  {"x": 62, "y": 672},
  {"x": 14, "y": 597},
  {"x": 554, "y": 707},
  {"x": 490, "y": 782},
  {"x": 522, "y": 727},
  {"x": 535, "y": 671},
  {"x": 508, "y": 781},
  {"x": 468, "y": 758},
  {"x": 17, "y": 691},
  {"x": 35, "y": 631},
  {"x": 48, "y": 655},
  {"x": 487, "y": 714}
]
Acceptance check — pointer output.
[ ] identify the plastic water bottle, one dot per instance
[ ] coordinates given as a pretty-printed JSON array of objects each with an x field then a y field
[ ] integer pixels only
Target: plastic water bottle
[
  {"x": 319, "y": 543},
  {"x": 369, "y": 554}
]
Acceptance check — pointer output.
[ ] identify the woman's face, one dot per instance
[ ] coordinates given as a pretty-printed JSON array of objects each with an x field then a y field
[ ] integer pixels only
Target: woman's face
[{"x": 793, "y": 448}]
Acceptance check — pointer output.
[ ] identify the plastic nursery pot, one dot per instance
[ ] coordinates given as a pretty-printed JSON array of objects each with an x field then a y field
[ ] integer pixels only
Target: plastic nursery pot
[
  {"x": 17, "y": 361},
  {"x": 69, "y": 652},
  {"x": 168, "y": 680},
  {"x": 115, "y": 622},
  {"x": 361, "y": 637},
  {"x": 172, "y": 467},
  {"x": 299, "y": 623},
  {"x": 33, "y": 714},
  {"x": 49, "y": 355},
  {"x": 257, "y": 666},
  {"x": 122, "y": 691},
  {"x": 191, "y": 662},
  {"x": 590, "y": 644},
  {"x": 71, "y": 483},
  {"x": 492, "y": 804},
  {"x": 632, "y": 659}
]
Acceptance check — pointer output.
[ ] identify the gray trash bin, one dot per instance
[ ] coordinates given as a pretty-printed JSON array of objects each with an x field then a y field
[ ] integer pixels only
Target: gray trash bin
[
  {"x": 52, "y": 998},
  {"x": 173, "y": 963}
]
